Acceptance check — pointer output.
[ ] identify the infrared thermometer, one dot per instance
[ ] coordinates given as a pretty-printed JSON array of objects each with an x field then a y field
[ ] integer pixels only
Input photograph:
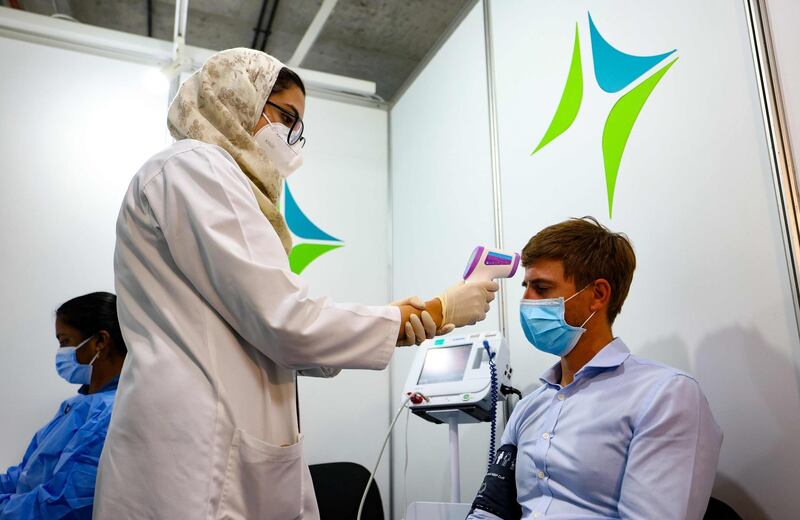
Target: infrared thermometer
[{"x": 487, "y": 264}]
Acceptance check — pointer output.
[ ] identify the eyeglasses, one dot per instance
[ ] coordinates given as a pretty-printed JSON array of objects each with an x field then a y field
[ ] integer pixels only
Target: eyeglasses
[{"x": 296, "y": 129}]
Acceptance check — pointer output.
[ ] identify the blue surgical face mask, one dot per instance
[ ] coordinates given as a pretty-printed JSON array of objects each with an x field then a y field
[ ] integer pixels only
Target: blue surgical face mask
[
  {"x": 544, "y": 325},
  {"x": 70, "y": 369}
]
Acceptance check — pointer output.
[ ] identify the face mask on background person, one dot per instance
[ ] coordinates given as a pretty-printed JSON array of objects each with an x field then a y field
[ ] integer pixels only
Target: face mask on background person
[
  {"x": 545, "y": 327},
  {"x": 70, "y": 369}
]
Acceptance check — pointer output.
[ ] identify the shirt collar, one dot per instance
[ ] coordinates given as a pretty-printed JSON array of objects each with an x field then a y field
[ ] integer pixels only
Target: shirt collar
[
  {"x": 610, "y": 356},
  {"x": 552, "y": 376}
]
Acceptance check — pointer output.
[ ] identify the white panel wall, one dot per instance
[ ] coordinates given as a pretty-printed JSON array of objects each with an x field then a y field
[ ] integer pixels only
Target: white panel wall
[
  {"x": 74, "y": 129},
  {"x": 442, "y": 209},
  {"x": 695, "y": 195},
  {"x": 343, "y": 188}
]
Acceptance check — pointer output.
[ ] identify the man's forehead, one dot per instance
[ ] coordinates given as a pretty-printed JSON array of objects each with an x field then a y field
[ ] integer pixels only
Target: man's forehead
[{"x": 545, "y": 269}]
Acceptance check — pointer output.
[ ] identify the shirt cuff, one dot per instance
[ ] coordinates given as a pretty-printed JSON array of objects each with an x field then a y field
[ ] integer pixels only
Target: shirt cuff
[{"x": 383, "y": 352}]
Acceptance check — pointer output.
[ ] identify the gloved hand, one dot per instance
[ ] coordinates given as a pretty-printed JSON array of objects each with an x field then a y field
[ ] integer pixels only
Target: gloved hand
[
  {"x": 467, "y": 303},
  {"x": 417, "y": 328},
  {"x": 446, "y": 328}
]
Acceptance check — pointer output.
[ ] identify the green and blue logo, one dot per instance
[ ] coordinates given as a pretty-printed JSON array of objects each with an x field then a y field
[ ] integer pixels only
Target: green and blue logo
[
  {"x": 614, "y": 70},
  {"x": 319, "y": 242}
]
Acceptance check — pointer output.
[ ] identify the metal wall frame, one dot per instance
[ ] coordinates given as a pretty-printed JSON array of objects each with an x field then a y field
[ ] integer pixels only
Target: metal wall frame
[
  {"x": 784, "y": 175},
  {"x": 494, "y": 151}
]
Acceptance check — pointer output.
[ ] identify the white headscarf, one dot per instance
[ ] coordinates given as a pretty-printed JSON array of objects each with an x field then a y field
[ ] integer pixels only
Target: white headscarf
[{"x": 220, "y": 104}]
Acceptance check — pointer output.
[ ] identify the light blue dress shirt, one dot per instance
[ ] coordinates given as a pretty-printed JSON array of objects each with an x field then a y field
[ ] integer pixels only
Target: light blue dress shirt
[{"x": 628, "y": 438}]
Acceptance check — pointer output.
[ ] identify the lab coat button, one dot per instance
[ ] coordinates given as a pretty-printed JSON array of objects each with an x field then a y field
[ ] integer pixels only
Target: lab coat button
[
  {"x": 540, "y": 474},
  {"x": 546, "y": 436}
]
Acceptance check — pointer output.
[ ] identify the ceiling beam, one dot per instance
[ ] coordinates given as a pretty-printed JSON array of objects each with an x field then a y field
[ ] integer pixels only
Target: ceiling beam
[{"x": 312, "y": 33}]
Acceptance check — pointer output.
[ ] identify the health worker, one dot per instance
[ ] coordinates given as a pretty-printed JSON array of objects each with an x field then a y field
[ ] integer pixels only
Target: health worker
[{"x": 217, "y": 324}]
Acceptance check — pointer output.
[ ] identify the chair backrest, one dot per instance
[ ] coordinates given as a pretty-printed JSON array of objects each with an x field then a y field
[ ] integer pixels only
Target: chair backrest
[
  {"x": 719, "y": 510},
  {"x": 339, "y": 487}
]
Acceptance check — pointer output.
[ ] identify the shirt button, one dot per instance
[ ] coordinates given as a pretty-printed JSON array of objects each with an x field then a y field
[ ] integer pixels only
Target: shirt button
[
  {"x": 540, "y": 474},
  {"x": 560, "y": 397},
  {"x": 537, "y": 514},
  {"x": 546, "y": 436}
]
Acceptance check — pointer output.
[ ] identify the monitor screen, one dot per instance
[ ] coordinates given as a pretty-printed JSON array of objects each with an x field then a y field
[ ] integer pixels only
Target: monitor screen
[{"x": 444, "y": 364}]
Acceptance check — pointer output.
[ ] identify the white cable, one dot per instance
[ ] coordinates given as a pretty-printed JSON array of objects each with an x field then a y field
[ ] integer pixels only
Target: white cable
[
  {"x": 405, "y": 469},
  {"x": 386, "y": 440}
]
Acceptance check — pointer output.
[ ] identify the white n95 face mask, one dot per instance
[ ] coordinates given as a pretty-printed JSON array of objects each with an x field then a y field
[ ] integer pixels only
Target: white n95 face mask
[{"x": 273, "y": 138}]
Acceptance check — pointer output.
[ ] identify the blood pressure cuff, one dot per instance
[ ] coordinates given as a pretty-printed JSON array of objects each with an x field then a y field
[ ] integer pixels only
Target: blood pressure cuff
[{"x": 498, "y": 493}]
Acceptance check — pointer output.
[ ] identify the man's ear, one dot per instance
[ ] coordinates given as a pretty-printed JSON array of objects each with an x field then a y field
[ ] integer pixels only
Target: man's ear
[{"x": 601, "y": 295}]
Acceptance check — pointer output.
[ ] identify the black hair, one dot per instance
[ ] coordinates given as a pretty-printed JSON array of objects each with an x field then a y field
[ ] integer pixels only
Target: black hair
[
  {"x": 287, "y": 78},
  {"x": 92, "y": 313}
]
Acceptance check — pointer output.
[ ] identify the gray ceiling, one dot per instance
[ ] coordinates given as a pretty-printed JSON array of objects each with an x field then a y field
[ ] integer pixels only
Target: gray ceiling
[{"x": 377, "y": 40}]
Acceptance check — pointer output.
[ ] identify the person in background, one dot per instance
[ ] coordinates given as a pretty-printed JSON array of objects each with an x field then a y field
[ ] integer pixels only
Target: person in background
[
  {"x": 56, "y": 478},
  {"x": 608, "y": 434}
]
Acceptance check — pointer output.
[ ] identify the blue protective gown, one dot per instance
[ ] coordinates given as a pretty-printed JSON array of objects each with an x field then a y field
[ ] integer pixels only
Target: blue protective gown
[{"x": 56, "y": 477}]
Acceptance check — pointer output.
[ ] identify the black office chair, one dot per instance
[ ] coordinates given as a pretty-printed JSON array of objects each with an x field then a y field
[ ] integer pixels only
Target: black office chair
[
  {"x": 719, "y": 510},
  {"x": 339, "y": 486}
]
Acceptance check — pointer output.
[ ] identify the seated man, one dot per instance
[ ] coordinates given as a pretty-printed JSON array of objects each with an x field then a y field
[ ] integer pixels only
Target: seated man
[{"x": 608, "y": 434}]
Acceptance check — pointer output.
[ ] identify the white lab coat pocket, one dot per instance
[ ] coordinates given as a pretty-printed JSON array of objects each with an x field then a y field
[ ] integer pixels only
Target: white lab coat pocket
[{"x": 262, "y": 481}]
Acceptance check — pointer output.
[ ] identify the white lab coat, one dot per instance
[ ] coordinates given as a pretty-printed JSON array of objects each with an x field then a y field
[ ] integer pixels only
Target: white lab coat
[{"x": 205, "y": 423}]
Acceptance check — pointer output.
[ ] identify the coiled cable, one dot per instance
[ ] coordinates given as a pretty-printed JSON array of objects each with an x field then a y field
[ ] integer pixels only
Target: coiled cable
[{"x": 493, "y": 411}]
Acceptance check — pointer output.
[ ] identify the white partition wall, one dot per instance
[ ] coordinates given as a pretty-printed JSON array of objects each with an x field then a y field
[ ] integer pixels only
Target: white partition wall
[
  {"x": 442, "y": 209},
  {"x": 343, "y": 189},
  {"x": 694, "y": 191},
  {"x": 75, "y": 128}
]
